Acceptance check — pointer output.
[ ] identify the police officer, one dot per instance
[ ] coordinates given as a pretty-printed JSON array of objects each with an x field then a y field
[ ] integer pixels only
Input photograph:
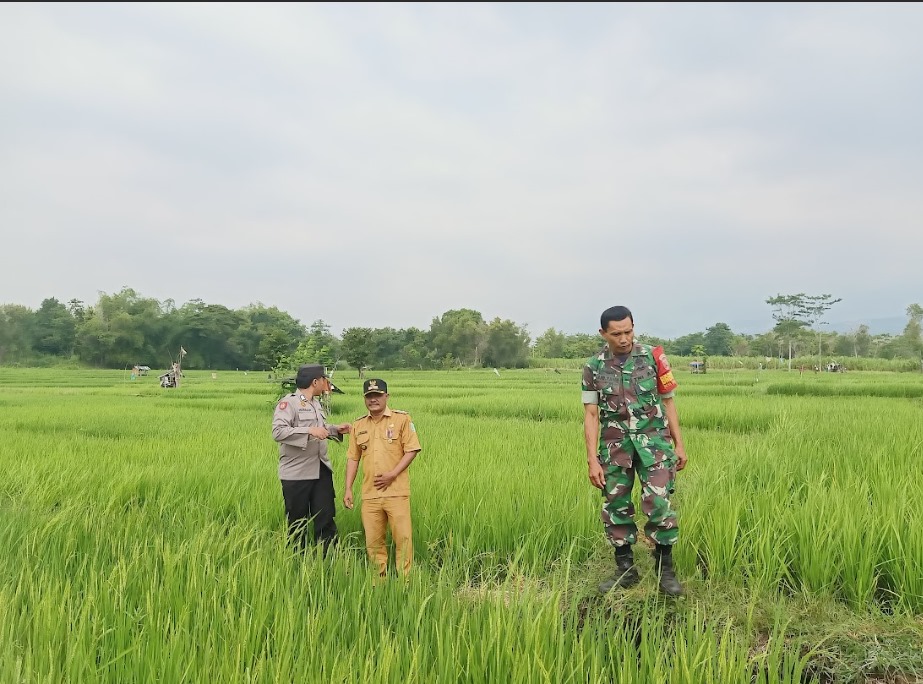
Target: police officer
[
  {"x": 301, "y": 429},
  {"x": 385, "y": 441},
  {"x": 631, "y": 427}
]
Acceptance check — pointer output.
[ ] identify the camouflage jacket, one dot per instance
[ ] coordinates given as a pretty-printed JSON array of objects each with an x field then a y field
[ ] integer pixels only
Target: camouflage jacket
[{"x": 629, "y": 396}]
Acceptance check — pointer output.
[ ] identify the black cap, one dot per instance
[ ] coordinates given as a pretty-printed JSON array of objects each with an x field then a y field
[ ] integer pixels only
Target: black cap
[
  {"x": 308, "y": 374},
  {"x": 373, "y": 385}
]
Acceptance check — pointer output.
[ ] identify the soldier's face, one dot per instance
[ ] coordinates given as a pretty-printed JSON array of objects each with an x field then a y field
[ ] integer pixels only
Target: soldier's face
[
  {"x": 376, "y": 402},
  {"x": 620, "y": 335}
]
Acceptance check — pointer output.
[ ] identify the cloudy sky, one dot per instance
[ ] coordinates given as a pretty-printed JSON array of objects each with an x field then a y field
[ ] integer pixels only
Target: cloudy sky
[{"x": 378, "y": 165}]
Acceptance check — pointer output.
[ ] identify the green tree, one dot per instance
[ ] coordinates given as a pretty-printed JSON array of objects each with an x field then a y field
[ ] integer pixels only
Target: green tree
[
  {"x": 652, "y": 340},
  {"x": 15, "y": 333},
  {"x": 507, "y": 345},
  {"x": 683, "y": 346},
  {"x": 123, "y": 329},
  {"x": 582, "y": 346},
  {"x": 387, "y": 346},
  {"x": 719, "y": 340},
  {"x": 550, "y": 344},
  {"x": 459, "y": 333},
  {"x": 272, "y": 346},
  {"x": 862, "y": 341},
  {"x": 54, "y": 329},
  {"x": 357, "y": 347},
  {"x": 207, "y": 333},
  {"x": 415, "y": 352},
  {"x": 913, "y": 340},
  {"x": 266, "y": 334},
  {"x": 794, "y": 313},
  {"x": 765, "y": 344},
  {"x": 77, "y": 309},
  {"x": 741, "y": 345}
]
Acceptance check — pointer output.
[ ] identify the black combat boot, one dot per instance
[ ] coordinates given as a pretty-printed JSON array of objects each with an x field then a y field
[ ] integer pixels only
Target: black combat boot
[
  {"x": 626, "y": 576},
  {"x": 663, "y": 565}
]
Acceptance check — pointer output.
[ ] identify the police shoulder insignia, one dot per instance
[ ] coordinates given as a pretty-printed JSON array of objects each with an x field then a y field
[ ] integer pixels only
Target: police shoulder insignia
[{"x": 283, "y": 405}]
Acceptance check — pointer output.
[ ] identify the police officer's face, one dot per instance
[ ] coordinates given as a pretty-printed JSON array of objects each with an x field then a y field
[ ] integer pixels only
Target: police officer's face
[
  {"x": 619, "y": 335},
  {"x": 376, "y": 402}
]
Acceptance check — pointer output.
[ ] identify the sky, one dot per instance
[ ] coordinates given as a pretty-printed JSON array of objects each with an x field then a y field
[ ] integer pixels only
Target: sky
[{"x": 377, "y": 165}]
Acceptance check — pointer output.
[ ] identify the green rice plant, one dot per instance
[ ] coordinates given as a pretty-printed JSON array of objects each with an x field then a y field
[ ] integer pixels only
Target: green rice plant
[{"x": 145, "y": 530}]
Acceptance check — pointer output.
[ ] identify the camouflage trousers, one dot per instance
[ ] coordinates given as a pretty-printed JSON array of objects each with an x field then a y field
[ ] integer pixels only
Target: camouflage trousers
[{"x": 656, "y": 488}]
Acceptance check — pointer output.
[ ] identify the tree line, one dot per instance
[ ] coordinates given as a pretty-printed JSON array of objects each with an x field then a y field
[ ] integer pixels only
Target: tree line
[{"x": 126, "y": 329}]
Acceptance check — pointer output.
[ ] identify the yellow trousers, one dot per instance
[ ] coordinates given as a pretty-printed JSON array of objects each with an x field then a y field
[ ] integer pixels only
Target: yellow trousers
[{"x": 377, "y": 516}]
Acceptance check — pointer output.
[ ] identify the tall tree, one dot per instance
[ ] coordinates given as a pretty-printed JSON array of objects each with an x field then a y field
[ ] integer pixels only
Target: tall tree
[
  {"x": 415, "y": 352},
  {"x": 357, "y": 347},
  {"x": 912, "y": 332},
  {"x": 582, "y": 346},
  {"x": 683, "y": 346},
  {"x": 121, "y": 330},
  {"x": 459, "y": 333},
  {"x": 794, "y": 313},
  {"x": 550, "y": 344},
  {"x": 267, "y": 334},
  {"x": 54, "y": 329},
  {"x": 719, "y": 340},
  {"x": 207, "y": 333},
  {"x": 16, "y": 323},
  {"x": 507, "y": 345}
]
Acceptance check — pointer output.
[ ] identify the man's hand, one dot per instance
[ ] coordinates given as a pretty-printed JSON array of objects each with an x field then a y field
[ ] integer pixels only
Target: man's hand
[
  {"x": 597, "y": 476},
  {"x": 344, "y": 428},
  {"x": 383, "y": 481},
  {"x": 318, "y": 432},
  {"x": 348, "y": 499},
  {"x": 681, "y": 458}
]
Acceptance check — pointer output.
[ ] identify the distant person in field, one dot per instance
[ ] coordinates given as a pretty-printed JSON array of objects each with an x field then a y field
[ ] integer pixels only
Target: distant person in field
[
  {"x": 631, "y": 426},
  {"x": 385, "y": 442},
  {"x": 301, "y": 429}
]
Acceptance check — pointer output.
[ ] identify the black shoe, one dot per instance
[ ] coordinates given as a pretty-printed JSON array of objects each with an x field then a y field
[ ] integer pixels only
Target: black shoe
[
  {"x": 663, "y": 565},
  {"x": 626, "y": 575}
]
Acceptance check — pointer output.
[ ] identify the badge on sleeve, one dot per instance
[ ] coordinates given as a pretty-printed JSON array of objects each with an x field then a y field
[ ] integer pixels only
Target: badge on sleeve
[
  {"x": 283, "y": 406},
  {"x": 665, "y": 381},
  {"x": 413, "y": 427}
]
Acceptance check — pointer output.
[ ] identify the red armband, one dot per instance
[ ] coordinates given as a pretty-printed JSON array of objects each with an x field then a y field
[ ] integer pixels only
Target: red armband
[{"x": 666, "y": 383}]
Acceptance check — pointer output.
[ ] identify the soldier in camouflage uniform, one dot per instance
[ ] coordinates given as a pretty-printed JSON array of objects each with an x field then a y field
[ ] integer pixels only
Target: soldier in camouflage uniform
[{"x": 631, "y": 426}]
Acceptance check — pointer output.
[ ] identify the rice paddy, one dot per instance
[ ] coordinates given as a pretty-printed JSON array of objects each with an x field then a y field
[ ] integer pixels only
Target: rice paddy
[{"x": 143, "y": 539}]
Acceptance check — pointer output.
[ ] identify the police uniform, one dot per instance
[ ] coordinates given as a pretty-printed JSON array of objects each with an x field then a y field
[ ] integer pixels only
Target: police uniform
[
  {"x": 634, "y": 438},
  {"x": 304, "y": 468},
  {"x": 379, "y": 444}
]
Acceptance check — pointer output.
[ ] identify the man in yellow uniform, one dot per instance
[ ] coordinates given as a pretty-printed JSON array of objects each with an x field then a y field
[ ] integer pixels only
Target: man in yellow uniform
[{"x": 385, "y": 441}]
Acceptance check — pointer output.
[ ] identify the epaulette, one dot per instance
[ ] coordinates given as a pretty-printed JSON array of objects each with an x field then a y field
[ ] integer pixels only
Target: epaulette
[
  {"x": 361, "y": 417},
  {"x": 398, "y": 411}
]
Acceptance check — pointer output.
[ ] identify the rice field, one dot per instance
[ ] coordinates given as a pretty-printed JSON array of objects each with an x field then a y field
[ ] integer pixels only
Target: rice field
[{"x": 143, "y": 539}]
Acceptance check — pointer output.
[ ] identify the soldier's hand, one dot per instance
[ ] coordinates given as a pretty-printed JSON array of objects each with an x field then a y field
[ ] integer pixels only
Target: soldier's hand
[
  {"x": 597, "y": 476},
  {"x": 681, "y": 459},
  {"x": 318, "y": 432},
  {"x": 344, "y": 428},
  {"x": 348, "y": 499}
]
